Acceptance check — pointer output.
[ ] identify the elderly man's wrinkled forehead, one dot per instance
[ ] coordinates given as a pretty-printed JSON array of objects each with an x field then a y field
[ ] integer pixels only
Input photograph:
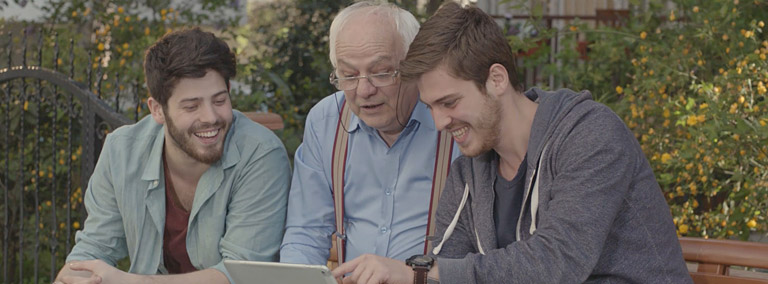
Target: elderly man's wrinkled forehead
[{"x": 370, "y": 26}]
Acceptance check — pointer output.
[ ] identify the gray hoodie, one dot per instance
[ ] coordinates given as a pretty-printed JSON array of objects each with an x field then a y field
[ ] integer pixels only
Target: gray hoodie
[{"x": 598, "y": 215}]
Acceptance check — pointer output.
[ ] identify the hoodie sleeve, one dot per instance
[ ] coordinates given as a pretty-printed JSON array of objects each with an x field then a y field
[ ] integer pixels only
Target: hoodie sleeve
[{"x": 587, "y": 169}]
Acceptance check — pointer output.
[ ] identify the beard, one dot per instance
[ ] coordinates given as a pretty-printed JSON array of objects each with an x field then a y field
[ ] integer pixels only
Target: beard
[
  {"x": 208, "y": 154},
  {"x": 486, "y": 129}
]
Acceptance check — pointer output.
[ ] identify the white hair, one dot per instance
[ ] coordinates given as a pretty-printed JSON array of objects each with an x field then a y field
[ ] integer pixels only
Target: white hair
[{"x": 405, "y": 23}]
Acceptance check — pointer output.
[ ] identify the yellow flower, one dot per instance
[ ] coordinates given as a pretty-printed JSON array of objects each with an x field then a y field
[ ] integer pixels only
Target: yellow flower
[
  {"x": 725, "y": 36},
  {"x": 695, "y": 9},
  {"x": 680, "y": 37},
  {"x": 74, "y": 14},
  {"x": 703, "y": 106},
  {"x": 26, "y": 105},
  {"x": 620, "y": 90},
  {"x": 127, "y": 19},
  {"x": 741, "y": 99},
  {"x": 573, "y": 28},
  {"x": 643, "y": 35},
  {"x": 761, "y": 24},
  {"x": 752, "y": 223},
  {"x": 672, "y": 16},
  {"x": 120, "y": 10},
  {"x": 761, "y": 88},
  {"x": 692, "y": 120},
  {"x": 48, "y": 203},
  {"x": 76, "y": 225},
  {"x": 100, "y": 47},
  {"x": 146, "y": 31},
  {"x": 163, "y": 12},
  {"x": 683, "y": 228},
  {"x": 665, "y": 158}
]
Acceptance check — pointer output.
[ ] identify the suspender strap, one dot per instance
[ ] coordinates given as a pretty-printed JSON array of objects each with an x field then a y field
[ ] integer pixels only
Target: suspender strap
[
  {"x": 338, "y": 161},
  {"x": 442, "y": 165}
]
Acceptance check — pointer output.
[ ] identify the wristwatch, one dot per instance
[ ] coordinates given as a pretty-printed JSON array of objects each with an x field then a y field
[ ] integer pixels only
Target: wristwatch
[{"x": 421, "y": 265}]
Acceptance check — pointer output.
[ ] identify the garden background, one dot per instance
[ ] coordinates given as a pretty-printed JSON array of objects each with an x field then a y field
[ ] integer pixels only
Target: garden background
[{"x": 688, "y": 77}]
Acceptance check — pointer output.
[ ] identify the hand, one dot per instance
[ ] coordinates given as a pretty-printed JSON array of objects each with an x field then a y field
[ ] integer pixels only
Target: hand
[
  {"x": 374, "y": 269},
  {"x": 69, "y": 276},
  {"x": 100, "y": 271}
]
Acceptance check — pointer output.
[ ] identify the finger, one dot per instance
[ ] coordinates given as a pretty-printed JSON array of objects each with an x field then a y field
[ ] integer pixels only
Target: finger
[
  {"x": 369, "y": 275},
  {"x": 345, "y": 268},
  {"x": 81, "y": 265}
]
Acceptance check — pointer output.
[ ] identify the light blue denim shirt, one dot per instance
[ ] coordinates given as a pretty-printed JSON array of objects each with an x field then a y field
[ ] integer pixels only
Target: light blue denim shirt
[
  {"x": 238, "y": 211},
  {"x": 386, "y": 189}
]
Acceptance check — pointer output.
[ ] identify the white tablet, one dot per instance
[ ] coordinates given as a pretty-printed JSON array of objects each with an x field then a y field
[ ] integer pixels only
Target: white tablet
[{"x": 257, "y": 272}]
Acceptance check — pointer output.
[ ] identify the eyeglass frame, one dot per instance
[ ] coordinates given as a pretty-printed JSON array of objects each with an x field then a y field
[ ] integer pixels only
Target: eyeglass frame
[{"x": 336, "y": 80}]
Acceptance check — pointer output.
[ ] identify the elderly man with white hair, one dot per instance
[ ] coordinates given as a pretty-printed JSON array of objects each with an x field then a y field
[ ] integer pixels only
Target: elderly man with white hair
[{"x": 372, "y": 162}]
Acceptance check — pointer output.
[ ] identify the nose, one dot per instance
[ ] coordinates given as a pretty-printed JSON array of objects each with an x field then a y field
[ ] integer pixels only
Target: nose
[
  {"x": 208, "y": 114},
  {"x": 442, "y": 120},
  {"x": 365, "y": 88}
]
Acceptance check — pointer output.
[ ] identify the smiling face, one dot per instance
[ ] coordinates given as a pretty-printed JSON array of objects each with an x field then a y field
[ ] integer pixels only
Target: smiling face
[
  {"x": 369, "y": 44},
  {"x": 460, "y": 107},
  {"x": 197, "y": 117}
]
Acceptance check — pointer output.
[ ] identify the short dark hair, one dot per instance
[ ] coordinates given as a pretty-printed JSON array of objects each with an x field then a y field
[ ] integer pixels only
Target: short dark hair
[
  {"x": 467, "y": 40},
  {"x": 187, "y": 53}
]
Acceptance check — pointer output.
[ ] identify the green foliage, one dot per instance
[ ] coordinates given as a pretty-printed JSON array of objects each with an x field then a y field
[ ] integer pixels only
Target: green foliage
[
  {"x": 290, "y": 65},
  {"x": 690, "y": 82}
]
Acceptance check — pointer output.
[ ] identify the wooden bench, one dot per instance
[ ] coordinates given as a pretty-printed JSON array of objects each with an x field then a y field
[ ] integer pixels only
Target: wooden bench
[
  {"x": 713, "y": 260},
  {"x": 270, "y": 120}
]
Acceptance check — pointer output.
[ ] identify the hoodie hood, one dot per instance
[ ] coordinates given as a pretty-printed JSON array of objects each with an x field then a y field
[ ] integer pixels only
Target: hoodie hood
[{"x": 553, "y": 107}]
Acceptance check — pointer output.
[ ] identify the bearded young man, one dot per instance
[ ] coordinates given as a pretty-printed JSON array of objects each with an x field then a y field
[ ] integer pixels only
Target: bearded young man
[
  {"x": 188, "y": 187},
  {"x": 553, "y": 187}
]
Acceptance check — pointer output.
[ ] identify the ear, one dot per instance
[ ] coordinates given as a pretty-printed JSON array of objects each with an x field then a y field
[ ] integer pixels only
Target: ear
[
  {"x": 498, "y": 80},
  {"x": 156, "y": 110}
]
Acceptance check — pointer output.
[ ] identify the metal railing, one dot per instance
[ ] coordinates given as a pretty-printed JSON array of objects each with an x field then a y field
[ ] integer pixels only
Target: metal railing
[{"x": 52, "y": 129}]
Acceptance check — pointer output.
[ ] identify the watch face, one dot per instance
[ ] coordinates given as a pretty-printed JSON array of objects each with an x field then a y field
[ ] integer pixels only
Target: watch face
[{"x": 421, "y": 260}]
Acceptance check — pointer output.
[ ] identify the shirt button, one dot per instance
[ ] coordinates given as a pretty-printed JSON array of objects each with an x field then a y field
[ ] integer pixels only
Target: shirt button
[
  {"x": 383, "y": 230},
  {"x": 388, "y": 192},
  {"x": 154, "y": 183}
]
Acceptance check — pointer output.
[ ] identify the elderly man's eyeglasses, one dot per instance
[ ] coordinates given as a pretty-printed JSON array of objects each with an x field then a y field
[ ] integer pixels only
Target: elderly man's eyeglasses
[{"x": 377, "y": 80}]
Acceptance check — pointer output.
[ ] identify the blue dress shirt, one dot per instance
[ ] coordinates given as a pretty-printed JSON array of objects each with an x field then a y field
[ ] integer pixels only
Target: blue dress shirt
[{"x": 386, "y": 189}]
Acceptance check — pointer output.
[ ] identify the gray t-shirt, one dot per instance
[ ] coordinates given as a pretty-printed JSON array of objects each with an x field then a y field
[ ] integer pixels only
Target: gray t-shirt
[{"x": 507, "y": 205}]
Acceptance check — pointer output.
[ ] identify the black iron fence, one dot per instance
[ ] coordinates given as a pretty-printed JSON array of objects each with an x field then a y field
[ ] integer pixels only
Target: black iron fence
[{"x": 51, "y": 131}]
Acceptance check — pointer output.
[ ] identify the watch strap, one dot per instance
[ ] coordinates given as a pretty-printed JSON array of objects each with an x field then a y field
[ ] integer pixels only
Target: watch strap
[{"x": 420, "y": 275}]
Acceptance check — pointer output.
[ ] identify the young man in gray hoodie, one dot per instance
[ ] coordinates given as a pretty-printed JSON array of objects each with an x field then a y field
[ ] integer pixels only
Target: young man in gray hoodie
[{"x": 553, "y": 187}]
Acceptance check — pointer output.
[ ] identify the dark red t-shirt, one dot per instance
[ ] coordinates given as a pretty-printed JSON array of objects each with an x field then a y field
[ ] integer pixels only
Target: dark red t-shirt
[{"x": 175, "y": 236}]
